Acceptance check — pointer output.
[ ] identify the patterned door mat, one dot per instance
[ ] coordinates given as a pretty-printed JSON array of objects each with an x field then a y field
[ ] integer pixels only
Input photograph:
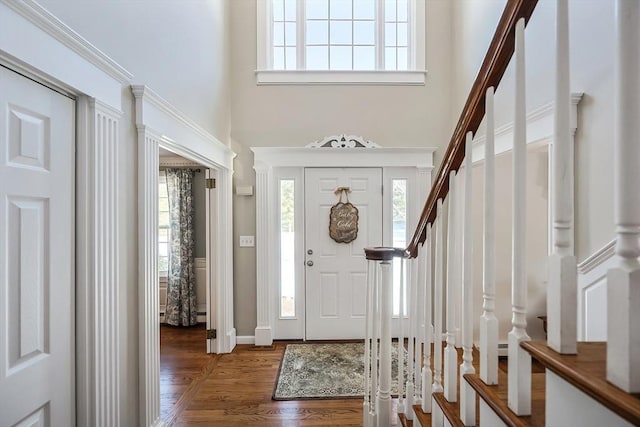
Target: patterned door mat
[{"x": 326, "y": 371}]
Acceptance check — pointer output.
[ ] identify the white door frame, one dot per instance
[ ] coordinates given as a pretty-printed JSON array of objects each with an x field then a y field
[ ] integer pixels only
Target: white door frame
[
  {"x": 160, "y": 125},
  {"x": 333, "y": 151}
]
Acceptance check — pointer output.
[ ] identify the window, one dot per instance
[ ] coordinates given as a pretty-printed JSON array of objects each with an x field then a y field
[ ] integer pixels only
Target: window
[
  {"x": 163, "y": 225},
  {"x": 287, "y": 249},
  {"x": 341, "y": 41}
]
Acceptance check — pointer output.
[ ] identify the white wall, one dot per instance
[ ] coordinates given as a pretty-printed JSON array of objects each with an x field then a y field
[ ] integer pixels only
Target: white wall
[
  {"x": 536, "y": 237},
  {"x": 592, "y": 49},
  {"x": 391, "y": 116}
]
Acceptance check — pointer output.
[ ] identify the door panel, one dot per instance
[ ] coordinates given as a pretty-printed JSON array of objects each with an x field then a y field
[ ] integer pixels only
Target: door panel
[
  {"x": 36, "y": 254},
  {"x": 336, "y": 280}
]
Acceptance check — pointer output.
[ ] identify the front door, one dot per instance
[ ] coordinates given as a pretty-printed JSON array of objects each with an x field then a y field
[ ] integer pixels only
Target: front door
[
  {"x": 336, "y": 273},
  {"x": 36, "y": 254}
]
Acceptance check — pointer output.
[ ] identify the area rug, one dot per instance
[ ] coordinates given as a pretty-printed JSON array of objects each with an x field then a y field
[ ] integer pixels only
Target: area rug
[{"x": 326, "y": 371}]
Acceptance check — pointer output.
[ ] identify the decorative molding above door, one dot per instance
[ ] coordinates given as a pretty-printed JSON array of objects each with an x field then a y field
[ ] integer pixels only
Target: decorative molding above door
[{"x": 343, "y": 141}]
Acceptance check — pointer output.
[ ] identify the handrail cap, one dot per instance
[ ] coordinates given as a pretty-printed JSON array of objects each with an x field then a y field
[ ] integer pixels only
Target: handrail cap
[{"x": 380, "y": 253}]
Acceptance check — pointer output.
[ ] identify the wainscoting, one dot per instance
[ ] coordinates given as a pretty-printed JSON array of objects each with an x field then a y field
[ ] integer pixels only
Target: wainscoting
[{"x": 201, "y": 290}]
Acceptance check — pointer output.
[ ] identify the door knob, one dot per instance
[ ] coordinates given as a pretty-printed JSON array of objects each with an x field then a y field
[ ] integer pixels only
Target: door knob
[{"x": 310, "y": 263}]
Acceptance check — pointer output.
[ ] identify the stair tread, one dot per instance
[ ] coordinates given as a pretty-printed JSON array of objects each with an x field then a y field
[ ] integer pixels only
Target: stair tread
[
  {"x": 423, "y": 419},
  {"x": 496, "y": 397},
  {"x": 587, "y": 371}
]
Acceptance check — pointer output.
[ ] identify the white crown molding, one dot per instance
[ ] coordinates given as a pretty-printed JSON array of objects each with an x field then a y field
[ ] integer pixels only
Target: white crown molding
[
  {"x": 177, "y": 131},
  {"x": 598, "y": 258},
  {"x": 50, "y": 24},
  {"x": 539, "y": 128}
]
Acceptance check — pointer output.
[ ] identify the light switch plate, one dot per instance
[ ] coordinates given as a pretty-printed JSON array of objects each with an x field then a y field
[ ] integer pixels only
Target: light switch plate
[{"x": 247, "y": 241}]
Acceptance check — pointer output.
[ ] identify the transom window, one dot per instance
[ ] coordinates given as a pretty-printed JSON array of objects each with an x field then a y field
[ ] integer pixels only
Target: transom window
[{"x": 341, "y": 36}]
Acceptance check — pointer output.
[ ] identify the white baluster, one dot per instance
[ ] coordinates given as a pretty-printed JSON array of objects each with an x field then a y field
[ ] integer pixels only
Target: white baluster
[
  {"x": 384, "y": 391},
  {"x": 417, "y": 347},
  {"x": 401, "y": 383},
  {"x": 467, "y": 394},
  {"x": 375, "y": 346},
  {"x": 410, "y": 336},
  {"x": 623, "y": 282},
  {"x": 437, "y": 304},
  {"x": 450, "y": 353},
  {"x": 488, "y": 321},
  {"x": 367, "y": 345},
  {"x": 563, "y": 274},
  {"x": 427, "y": 375},
  {"x": 519, "y": 398}
]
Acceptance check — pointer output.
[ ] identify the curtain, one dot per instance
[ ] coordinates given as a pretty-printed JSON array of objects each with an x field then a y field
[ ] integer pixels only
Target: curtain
[{"x": 181, "y": 308}]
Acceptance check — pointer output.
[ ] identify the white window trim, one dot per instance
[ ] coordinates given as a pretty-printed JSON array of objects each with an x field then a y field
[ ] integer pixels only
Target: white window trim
[{"x": 267, "y": 76}]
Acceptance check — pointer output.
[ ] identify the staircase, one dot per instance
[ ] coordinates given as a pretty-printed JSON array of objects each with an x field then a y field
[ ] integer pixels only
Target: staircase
[{"x": 453, "y": 380}]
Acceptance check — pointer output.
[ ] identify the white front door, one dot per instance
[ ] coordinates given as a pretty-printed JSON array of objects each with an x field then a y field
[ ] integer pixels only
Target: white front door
[
  {"x": 37, "y": 365},
  {"x": 336, "y": 273}
]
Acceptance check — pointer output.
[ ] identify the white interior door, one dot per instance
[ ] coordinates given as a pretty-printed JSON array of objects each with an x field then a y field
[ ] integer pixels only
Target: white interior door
[
  {"x": 336, "y": 273},
  {"x": 37, "y": 365}
]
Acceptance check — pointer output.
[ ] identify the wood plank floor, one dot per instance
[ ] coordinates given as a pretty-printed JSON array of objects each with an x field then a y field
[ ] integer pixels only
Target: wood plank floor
[{"x": 235, "y": 389}]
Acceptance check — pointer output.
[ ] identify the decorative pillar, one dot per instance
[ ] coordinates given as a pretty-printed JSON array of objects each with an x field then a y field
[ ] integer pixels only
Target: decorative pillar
[
  {"x": 383, "y": 405},
  {"x": 98, "y": 339},
  {"x": 263, "y": 333}
]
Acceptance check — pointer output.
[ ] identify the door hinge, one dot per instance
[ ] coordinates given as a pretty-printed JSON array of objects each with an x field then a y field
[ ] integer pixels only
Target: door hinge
[
  {"x": 210, "y": 183},
  {"x": 211, "y": 334}
]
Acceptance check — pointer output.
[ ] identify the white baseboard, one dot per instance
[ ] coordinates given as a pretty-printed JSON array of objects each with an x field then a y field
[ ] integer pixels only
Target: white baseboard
[{"x": 246, "y": 339}]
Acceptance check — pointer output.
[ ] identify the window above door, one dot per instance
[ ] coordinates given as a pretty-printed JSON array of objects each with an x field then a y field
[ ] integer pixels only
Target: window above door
[{"x": 341, "y": 42}]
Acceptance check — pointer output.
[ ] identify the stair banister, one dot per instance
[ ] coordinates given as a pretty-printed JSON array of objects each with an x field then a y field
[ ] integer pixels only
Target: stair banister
[
  {"x": 437, "y": 305},
  {"x": 623, "y": 287}
]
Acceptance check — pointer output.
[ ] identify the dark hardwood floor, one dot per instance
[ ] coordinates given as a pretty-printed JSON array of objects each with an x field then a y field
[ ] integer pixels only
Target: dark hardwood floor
[{"x": 235, "y": 389}]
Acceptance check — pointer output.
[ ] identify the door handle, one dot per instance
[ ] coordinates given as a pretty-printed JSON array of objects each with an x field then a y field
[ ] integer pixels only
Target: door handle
[{"x": 310, "y": 263}]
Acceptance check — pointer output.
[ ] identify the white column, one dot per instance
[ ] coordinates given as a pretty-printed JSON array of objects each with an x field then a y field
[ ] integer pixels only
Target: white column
[
  {"x": 623, "y": 282},
  {"x": 488, "y": 321},
  {"x": 386, "y": 309},
  {"x": 519, "y": 398},
  {"x": 563, "y": 275},
  {"x": 437, "y": 304},
  {"x": 263, "y": 333},
  {"x": 467, "y": 394},
  {"x": 419, "y": 332},
  {"x": 450, "y": 353},
  {"x": 427, "y": 375},
  {"x": 98, "y": 337}
]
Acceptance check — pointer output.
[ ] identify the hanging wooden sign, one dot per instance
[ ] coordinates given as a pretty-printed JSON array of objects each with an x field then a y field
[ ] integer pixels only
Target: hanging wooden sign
[{"x": 343, "y": 219}]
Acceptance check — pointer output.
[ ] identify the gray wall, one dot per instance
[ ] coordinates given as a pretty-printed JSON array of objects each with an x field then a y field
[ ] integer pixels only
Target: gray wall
[{"x": 297, "y": 115}]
